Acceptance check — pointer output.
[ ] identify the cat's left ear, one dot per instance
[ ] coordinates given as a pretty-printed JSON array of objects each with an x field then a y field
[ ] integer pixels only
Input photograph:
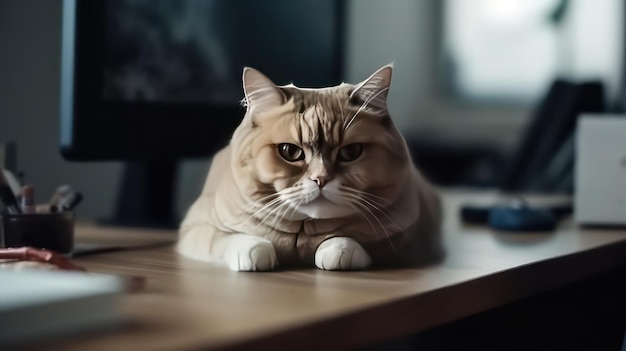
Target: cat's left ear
[
  {"x": 372, "y": 92},
  {"x": 260, "y": 92}
]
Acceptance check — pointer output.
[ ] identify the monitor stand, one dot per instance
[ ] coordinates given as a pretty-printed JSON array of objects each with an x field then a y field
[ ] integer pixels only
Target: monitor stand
[{"x": 146, "y": 196}]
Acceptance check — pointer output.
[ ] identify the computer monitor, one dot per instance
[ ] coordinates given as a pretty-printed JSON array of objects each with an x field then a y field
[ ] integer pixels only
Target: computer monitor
[{"x": 152, "y": 82}]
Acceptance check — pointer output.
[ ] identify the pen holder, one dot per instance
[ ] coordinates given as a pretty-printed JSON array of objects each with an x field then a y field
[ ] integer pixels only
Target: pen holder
[{"x": 50, "y": 231}]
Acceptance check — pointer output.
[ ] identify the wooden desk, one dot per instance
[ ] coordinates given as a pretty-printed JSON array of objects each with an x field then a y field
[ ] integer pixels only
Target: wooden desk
[{"x": 189, "y": 304}]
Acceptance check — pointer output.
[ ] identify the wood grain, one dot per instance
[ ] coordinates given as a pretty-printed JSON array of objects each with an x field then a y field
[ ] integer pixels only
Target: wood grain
[{"x": 194, "y": 305}]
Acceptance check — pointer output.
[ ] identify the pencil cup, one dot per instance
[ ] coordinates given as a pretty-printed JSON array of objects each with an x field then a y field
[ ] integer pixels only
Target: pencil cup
[{"x": 50, "y": 231}]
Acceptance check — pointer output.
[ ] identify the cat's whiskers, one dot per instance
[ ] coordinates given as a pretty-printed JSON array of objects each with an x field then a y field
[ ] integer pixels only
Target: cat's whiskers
[
  {"x": 381, "y": 210},
  {"x": 259, "y": 206},
  {"x": 283, "y": 215},
  {"x": 258, "y": 203},
  {"x": 357, "y": 201},
  {"x": 378, "y": 204},
  {"x": 258, "y": 209},
  {"x": 377, "y": 200},
  {"x": 282, "y": 202},
  {"x": 271, "y": 213},
  {"x": 295, "y": 208},
  {"x": 282, "y": 212},
  {"x": 359, "y": 211},
  {"x": 386, "y": 203},
  {"x": 365, "y": 193},
  {"x": 310, "y": 196},
  {"x": 274, "y": 215}
]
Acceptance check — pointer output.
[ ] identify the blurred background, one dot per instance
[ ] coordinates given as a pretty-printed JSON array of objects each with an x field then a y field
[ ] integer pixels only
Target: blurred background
[{"x": 481, "y": 89}]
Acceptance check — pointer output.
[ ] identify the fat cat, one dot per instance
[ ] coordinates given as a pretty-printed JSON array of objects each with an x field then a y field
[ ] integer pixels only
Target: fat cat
[{"x": 314, "y": 177}]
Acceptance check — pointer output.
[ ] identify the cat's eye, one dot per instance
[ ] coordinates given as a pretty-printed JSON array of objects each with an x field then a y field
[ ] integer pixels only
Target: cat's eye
[
  {"x": 290, "y": 152},
  {"x": 350, "y": 152}
]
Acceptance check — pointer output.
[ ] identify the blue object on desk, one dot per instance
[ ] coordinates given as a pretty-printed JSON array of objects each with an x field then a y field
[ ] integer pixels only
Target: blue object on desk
[
  {"x": 517, "y": 215},
  {"x": 522, "y": 218}
]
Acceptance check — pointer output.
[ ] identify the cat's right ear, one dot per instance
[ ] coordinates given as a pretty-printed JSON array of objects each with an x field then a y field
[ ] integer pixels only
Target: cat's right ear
[
  {"x": 261, "y": 93},
  {"x": 372, "y": 92}
]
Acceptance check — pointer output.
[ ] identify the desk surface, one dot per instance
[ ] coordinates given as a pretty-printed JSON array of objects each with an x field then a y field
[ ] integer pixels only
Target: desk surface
[{"x": 190, "y": 304}]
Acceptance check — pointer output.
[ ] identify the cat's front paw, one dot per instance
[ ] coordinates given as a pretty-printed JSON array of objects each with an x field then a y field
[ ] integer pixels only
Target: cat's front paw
[
  {"x": 341, "y": 254},
  {"x": 250, "y": 253}
]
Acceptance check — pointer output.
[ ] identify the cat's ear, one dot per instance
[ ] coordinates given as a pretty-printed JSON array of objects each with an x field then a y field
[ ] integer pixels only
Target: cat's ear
[
  {"x": 260, "y": 92},
  {"x": 372, "y": 92}
]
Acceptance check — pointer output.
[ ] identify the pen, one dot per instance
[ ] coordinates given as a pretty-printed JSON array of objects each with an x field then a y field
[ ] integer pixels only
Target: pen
[
  {"x": 7, "y": 196},
  {"x": 61, "y": 192},
  {"x": 70, "y": 201},
  {"x": 28, "y": 199}
]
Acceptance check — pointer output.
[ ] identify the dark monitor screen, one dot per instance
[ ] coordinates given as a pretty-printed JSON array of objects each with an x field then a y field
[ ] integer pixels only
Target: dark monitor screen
[
  {"x": 161, "y": 79},
  {"x": 152, "y": 82}
]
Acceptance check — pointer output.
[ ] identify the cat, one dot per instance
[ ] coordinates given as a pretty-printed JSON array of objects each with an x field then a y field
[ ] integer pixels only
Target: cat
[{"x": 314, "y": 177}]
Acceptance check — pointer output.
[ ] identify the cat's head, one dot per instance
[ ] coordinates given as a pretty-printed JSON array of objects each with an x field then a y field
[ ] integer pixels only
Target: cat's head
[{"x": 319, "y": 153}]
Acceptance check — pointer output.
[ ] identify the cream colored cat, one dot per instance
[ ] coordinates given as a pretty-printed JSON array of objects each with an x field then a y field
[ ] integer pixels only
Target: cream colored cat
[{"x": 314, "y": 177}]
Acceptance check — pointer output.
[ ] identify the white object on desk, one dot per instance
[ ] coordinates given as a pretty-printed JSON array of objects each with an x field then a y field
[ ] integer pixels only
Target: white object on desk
[
  {"x": 601, "y": 170},
  {"x": 13, "y": 182},
  {"x": 35, "y": 305}
]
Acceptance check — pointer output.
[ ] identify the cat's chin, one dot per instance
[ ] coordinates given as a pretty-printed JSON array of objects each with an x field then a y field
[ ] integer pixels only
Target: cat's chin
[{"x": 322, "y": 208}]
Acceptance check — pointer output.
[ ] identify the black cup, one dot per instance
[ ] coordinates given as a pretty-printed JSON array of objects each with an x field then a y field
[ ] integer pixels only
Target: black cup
[{"x": 50, "y": 231}]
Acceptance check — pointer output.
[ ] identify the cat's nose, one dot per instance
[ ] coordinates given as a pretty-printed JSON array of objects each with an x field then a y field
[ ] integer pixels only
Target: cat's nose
[{"x": 320, "y": 181}]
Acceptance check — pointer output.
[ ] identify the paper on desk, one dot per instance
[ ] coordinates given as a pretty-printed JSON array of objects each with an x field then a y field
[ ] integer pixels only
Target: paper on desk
[{"x": 37, "y": 304}]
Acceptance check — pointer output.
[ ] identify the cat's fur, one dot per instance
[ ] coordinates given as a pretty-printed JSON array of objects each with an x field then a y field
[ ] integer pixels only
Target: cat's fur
[{"x": 331, "y": 209}]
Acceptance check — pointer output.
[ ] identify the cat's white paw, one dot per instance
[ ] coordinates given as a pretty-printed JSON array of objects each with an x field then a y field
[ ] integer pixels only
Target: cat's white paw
[
  {"x": 341, "y": 254},
  {"x": 250, "y": 253}
]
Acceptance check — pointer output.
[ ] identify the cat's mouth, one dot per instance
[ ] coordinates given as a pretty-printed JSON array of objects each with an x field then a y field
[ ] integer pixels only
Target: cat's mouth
[
  {"x": 322, "y": 207},
  {"x": 321, "y": 197},
  {"x": 320, "y": 200},
  {"x": 317, "y": 203}
]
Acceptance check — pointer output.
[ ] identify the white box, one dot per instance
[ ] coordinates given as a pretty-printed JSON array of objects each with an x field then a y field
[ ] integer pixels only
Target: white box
[
  {"x": 36, "y": 305},
  {"x": 600, "y": 178}
]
